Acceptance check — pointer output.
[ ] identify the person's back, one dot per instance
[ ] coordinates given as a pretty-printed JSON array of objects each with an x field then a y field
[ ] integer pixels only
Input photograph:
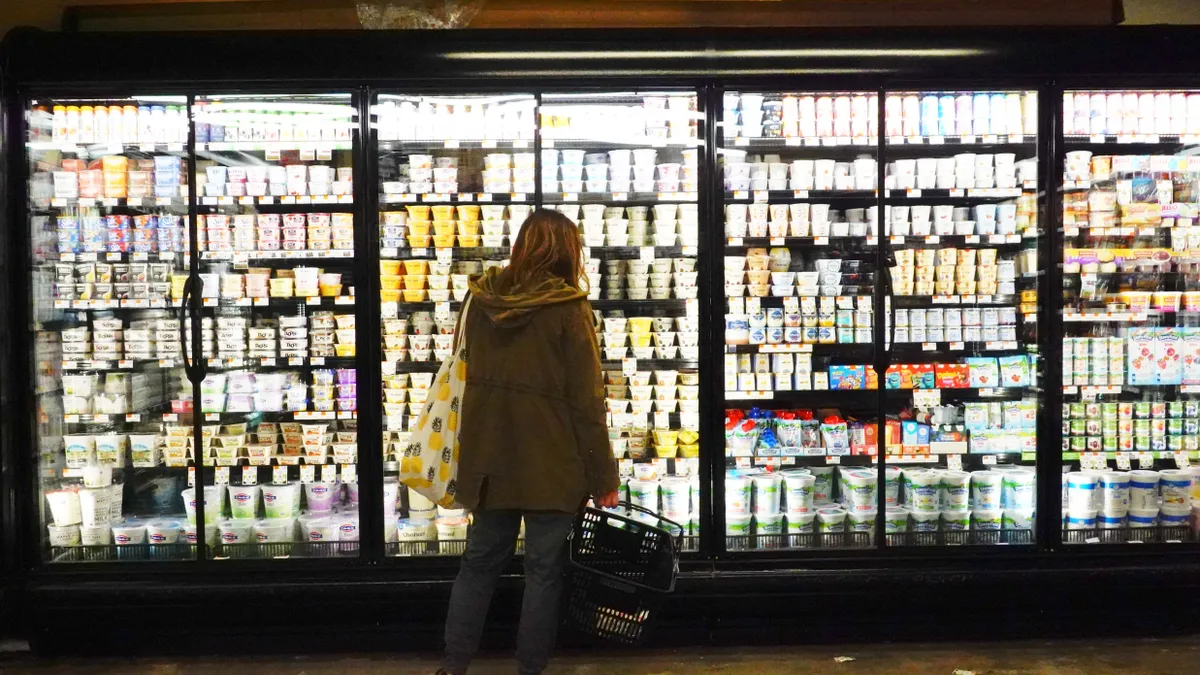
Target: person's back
[{"x": 533, "y": 442}]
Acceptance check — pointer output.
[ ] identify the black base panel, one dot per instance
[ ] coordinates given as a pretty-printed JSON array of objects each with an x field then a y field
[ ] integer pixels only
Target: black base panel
[{"x": 927, "y": 601}]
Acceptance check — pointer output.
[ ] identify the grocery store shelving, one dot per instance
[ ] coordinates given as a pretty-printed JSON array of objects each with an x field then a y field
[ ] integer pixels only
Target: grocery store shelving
[
  {"x": 621, "y": 198},
  {"x": 116, "y": 202},
  {"x": 275, "y": 146},
  {"x": 387, "y": 201},
  {"x": 287, "y": 204},
  {"x": 330, "y": 256},
  {"x": 799, "y": 242},
  {"x": 455, "y": 144},
  {"x": 790, "y": 196},
  {"x": 608, "y": 143}
]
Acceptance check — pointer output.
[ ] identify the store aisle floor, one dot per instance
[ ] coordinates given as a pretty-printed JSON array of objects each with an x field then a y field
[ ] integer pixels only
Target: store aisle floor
[{"x": 1108, "y": 657}]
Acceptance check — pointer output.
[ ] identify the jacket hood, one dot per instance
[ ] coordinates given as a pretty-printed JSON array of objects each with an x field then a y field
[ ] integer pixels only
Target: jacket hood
[{"x": 510, "y": 306}]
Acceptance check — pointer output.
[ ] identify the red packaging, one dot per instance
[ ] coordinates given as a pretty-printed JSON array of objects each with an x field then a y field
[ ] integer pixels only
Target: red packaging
[{"x": 953, "y": 376}]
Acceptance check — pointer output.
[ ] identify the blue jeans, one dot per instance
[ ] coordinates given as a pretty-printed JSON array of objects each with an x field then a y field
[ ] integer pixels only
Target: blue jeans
[{"x": 490, "y": 547}]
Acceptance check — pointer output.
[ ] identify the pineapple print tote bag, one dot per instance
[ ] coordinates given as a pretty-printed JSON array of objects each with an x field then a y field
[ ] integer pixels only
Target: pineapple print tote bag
[{"x": 430, "y": 462}]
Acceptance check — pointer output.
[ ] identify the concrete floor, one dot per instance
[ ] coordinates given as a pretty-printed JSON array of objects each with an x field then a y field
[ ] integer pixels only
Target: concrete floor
[{"x": 1110, "y": 657}]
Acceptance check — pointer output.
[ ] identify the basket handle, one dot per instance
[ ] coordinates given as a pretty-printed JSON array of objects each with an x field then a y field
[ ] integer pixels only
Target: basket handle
[{"x": 648, "y": 512}]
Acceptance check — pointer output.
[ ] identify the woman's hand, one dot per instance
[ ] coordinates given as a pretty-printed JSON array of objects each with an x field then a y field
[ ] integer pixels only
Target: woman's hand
[{"x": 608, "y": 501}]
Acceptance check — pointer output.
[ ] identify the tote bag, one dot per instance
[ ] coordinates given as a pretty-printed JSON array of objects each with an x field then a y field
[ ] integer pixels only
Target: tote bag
[{"x": 430, "y": 463}]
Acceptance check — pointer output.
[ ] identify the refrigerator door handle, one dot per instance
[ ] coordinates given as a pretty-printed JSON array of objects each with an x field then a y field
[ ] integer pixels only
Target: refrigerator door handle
[{"x": 195, "y": 373}]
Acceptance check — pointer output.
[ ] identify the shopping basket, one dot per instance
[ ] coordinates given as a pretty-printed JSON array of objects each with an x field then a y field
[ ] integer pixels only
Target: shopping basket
[{"x": 621, "y": 571}]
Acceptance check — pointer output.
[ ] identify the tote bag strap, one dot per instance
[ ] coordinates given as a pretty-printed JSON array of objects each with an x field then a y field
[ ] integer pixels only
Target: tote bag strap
[{"x": 460, "y": 334}]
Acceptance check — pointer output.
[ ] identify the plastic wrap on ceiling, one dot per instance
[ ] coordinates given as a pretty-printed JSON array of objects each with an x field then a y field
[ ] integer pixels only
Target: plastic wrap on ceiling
[{"x": 418, "y": 14}]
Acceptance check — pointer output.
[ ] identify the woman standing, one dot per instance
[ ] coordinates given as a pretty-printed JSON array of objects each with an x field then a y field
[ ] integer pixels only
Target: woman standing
[{"x": 534, "y": 442}]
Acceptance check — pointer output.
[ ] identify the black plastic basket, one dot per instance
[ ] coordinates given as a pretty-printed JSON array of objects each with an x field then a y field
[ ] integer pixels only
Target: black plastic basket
[{"x": 621, "y": 569}]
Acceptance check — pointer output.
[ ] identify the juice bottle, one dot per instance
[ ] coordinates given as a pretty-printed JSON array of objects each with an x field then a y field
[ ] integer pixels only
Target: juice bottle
[{"x": 59, "y": 129}]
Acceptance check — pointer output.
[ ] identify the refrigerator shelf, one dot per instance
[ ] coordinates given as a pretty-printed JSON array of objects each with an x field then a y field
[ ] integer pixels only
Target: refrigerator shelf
[
  {"x": 458, "y": 252},
  {"x": 275, "y": 146},
  {"x": 971, "y": 195},
  {"x": 397, "y": 145},
  {"x": 824, "y": 143},
  {"x": 146, "y": 414},
  {"x": 1165, "y": 534},
  {"x": 276, "y": 303},
  {"x": 97, "y": 149},
  {"x": 918, "y": 301},
  {"x": 801, "y": 242},
  {"x": 1125, "y": 140},
  {"x": 463, "y": 197},
  {"x": 654, "y": 364},
  {"x": 975, "y": 140},
  {"x": 113, "y": 256},
  {"x": 790, "y": 196},
  {"x": 115, "y": 202},
  {"x": 624, "y": 198},
  {"x": 282, "y": 416},
  {"x": 606, "y": 143},
  {"x": 1139, "y": 455},
  {"x": 977, "y": 240},
  {"x": 822, "y": 397},
  {"x": 283, "y": 362},
  {"x": 266, "y": 257},
  {"x": 824, "y": 540},
  {"x": 287, "y": 204}
]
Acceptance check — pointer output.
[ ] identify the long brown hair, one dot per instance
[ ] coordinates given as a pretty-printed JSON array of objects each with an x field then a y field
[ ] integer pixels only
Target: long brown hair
[{"x": 548, "y": 246}]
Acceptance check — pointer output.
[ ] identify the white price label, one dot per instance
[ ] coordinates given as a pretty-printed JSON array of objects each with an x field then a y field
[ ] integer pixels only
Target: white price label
[
  {"x": 308, "y": 473},
  {"x": 279, "y": 475},
  {"x": 690, "y": 421},
  {"x": 954, "y": 462},
  {"x": 1145, "y": 460},
  {"x": 753, "y": 305},
  {"x": 927, "y": 398},
  {"x": 989, "y": 460},
  {"x": 445, "y": 255},
  {"x": 1181, "y": 460},
  {"x": 328, "y": 473},
  {"x": 349, "y": 473},
  {"x": 833, "y": 459},
  {"x": 307, "y": 154},
  {"x": 1124, "y": 461},
  {"x": 221, "y": 475},
  {"x": 629, "y": 367},
  {"x": 249, "y": 475},
  {"x": 191, "y": 476},
  {"x": 662, "y": 419},
  {"x": 646, "y": 254},
  {"x": 692, "y": 308}
]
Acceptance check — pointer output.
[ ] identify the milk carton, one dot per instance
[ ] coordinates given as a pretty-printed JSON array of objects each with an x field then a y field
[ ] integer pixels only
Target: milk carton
[
  {"x": 1141, "y": 352},
  {"x": 1190, "y": 355},
  {"x": 1167, "y": 350}
]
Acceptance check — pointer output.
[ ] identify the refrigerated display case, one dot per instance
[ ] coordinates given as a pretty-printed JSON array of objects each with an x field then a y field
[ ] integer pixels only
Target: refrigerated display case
[
  {"x": 107, "y": 219},
  {"x": 665, "y": 148},
  {"x": 799, "y": 172},
  {"x": 626, "y": 166},
  {"x": 963, "y": 379},
  {"x": 1129, "y": 415},
  {"x": 278, "y": 403},
  {"x": 457, "y": 177}
]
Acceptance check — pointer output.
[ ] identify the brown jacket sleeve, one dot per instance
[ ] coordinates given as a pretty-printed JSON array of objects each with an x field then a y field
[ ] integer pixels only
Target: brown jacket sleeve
[{"x": 585, "y": 393}]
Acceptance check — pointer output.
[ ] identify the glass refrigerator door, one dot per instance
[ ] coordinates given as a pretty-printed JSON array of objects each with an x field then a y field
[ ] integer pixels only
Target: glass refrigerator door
[
  {"x": 1131, "y": 298},
  {"x": 278, "y": 407},
  {"x": 108, "y": 226},
  {"x": 626, "y": 167},
  {"x": 456, "y": 180},
  {"x": 799, "y": 172},
  {"x": 962, "y": 220}
]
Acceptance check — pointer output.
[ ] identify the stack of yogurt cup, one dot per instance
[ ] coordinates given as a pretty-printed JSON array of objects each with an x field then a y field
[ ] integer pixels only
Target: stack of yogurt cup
[{"x": 1119, "y": 503}]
